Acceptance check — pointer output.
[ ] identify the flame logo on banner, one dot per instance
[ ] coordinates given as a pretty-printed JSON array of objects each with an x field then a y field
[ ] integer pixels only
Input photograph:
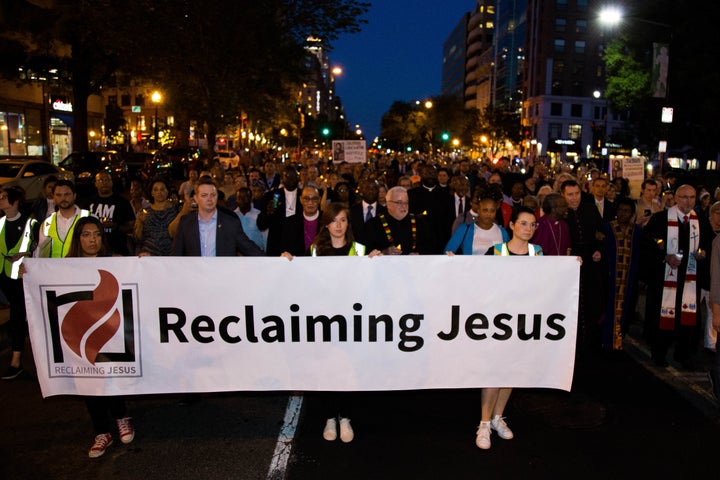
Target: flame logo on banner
[{"x": 82, "y": 316}]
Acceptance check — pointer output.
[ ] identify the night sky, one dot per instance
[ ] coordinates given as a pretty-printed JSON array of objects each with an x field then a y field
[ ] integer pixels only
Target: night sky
[{"x": 396, "y": 56}]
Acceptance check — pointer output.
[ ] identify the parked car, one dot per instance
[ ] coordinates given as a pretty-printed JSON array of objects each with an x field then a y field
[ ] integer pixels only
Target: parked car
[
  {"x": 182, "y": 159},
  {"x": 135, "y": 162},
  {"x": 227, "y": 158},
  {"x": 30, "y": 175},
  {"x": 157, "y": 166},
  {"x": 85, "y": 165}
]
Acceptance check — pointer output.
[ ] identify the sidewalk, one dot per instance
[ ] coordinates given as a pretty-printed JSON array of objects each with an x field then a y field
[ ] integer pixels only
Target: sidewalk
[{"x": 695, "y": 387}]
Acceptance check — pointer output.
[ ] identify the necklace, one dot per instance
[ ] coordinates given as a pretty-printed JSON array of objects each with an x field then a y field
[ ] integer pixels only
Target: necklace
[
  {"x": 557, "y": 241},
  {"x": 389, "y": 235}
]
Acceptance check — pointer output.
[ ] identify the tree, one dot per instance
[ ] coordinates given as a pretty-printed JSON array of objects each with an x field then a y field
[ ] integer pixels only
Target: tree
[
  {"x": 500, "y": 126},
  {"x": 628, "y": 82},
  {"x": 214, "y": 59},
  {"x": 694, "y": 73},
  {"x": 242, "y": 56},
  {"x": 60, "y": 40},
  {"x": 420, "y": 127},
  {"x": 398, "y": 126}
]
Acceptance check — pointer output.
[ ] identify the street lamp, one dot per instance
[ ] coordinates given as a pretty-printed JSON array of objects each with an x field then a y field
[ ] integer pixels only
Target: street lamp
[
  {"x": 156, "y": 98},
  {"x": 428, "y": 106},
  {"x": 614, "y": 16},
  {"x": 604, "y": 150}
]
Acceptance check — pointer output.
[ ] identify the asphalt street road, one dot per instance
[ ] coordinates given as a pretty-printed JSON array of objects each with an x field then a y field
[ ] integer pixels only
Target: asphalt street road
[{"x": 624, "y": 419}]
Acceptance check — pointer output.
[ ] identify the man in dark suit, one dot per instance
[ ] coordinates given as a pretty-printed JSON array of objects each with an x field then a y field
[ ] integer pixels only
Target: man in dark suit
[
  {"x": 460, "y": 198},
  {"x": 586, "y": 229},
  {"x": 605, "y": 207},
  {"x": 270, "y": 177},
  {"x": 276, "y": 206},
  {"x": 297, "y": 232},
  {"x": 434, "y": 205},
  {"x": 210, "y": 232},
  {"x": 362, "y": 212}
]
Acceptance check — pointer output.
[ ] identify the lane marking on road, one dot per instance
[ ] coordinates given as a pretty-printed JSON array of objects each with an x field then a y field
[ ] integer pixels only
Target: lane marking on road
[{"x": 283, "y": 447}]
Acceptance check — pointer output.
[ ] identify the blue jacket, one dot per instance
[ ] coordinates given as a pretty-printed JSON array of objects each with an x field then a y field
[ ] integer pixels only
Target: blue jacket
[{"x": 464, "y": 235}]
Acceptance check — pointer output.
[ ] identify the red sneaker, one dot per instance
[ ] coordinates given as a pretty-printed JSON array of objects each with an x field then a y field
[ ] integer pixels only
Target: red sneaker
[
  {"x": 125, "y": 427},
  {"x": 102, "y": 441}
]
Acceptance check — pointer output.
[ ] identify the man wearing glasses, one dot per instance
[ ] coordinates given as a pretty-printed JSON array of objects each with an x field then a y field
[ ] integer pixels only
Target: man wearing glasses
[
  {"x": 114, "y": 212},
  {"x": 399, "y": 232},
  {"x": 675, "y": 254},
  {"x": 298, "y": 232}
]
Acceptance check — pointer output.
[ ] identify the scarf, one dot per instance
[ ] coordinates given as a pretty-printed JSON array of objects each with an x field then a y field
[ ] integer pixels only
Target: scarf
[{"x": 688, "y": 314}]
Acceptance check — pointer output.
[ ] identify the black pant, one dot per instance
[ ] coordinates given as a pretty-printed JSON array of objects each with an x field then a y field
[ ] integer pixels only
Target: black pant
[
  {"x": 683, "y": 336},
  {"x": 13, "y": 290},
  {"x": 336, "y": 404},
  {"x": 104, "y": 409}
]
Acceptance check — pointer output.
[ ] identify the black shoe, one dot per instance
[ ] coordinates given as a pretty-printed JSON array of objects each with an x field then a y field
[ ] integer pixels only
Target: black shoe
[{"x": 12, "y": 372}]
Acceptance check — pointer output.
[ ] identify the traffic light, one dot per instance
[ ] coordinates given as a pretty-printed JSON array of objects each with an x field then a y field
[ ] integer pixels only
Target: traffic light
[
  {"x": 445, "y": 136},
  {"x": 326, "y": 131}
]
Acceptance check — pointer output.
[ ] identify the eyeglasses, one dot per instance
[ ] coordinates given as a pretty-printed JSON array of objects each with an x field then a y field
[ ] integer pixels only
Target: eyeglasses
[
  {"x": 527, "y": 224},
  {"x": 402, "y": 204},
  {"x": 310, "y": 199}
]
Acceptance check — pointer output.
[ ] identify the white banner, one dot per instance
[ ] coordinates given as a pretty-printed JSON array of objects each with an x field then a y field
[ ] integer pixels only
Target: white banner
[{"x": 124, "y": 325}]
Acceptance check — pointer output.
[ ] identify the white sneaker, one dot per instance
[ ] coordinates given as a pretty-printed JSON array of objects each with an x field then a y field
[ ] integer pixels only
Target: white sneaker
[
  {"x": 346, "y": 431},
  {"x": 483, "y": 435},
  {"x": 330, "y": 432},
  {"x": 498, "y": 424}
]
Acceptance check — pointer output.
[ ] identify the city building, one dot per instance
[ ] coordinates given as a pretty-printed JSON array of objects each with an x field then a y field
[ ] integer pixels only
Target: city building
[
  {"x": 467, "y": 57},
  {"x": 318, "y": 92},
  {"x": 564, "y": 111},
  {"x": 509, "y": 53},
  {"x": 454, "y": 60},
  {"x": 131, "y": 112},
  {"x": 36, "y": 119}
]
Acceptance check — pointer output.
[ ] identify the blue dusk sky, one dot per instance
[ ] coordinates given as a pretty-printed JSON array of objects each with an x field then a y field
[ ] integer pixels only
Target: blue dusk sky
[{"x": 396, "y": 56}]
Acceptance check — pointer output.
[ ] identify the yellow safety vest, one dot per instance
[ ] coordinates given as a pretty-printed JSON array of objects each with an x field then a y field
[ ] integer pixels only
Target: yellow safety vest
[
  {"x": 356, "y": 250},
  {"x": 60, "y": 248},
  {"x": 501, "y": 249},
  {"x": 12, "y": 269}
]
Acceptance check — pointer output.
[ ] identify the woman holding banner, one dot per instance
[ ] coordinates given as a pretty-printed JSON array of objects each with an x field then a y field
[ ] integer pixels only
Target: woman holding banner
[
  {"x": 89, "y": 241},
  {"x": 335, "y": 237},
  {"x": 493, "y": 400}
]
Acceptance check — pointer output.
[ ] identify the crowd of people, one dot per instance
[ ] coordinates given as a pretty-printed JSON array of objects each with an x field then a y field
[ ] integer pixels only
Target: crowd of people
[{"x": 653, "y": 260}]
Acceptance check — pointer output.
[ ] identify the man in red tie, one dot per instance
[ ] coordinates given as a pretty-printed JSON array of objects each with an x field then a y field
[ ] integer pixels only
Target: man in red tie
[{"x": 674, "y": 258}]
